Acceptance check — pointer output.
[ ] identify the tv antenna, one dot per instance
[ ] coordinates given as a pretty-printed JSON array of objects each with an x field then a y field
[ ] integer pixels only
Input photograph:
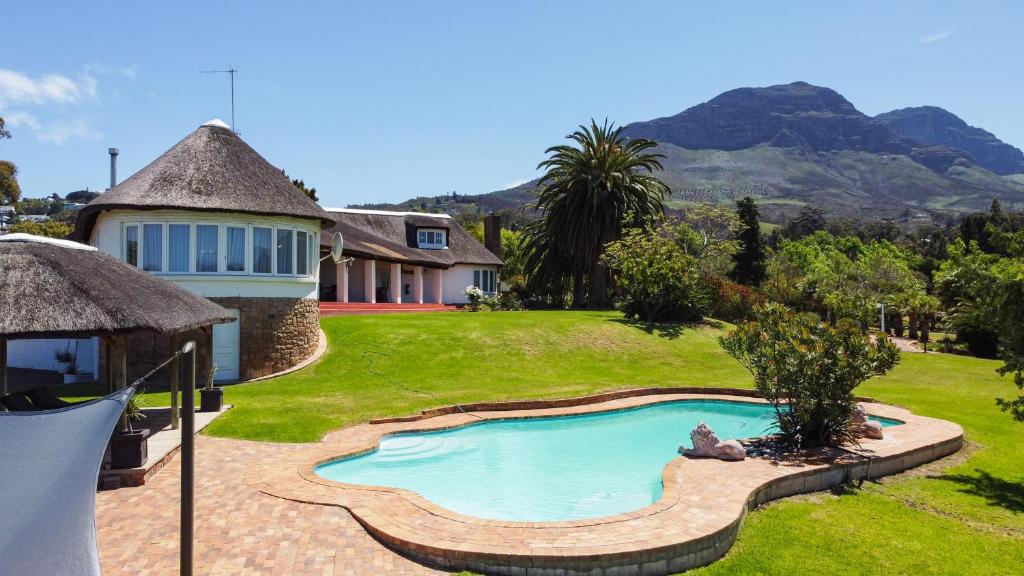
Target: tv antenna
[{"x": 230, "y": 72}]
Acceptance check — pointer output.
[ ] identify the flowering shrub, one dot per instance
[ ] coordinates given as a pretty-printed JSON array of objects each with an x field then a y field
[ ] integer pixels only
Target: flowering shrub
[
  {"x": 475, "y": 295},
  {"x": 808, "y": 370},
  {"x": 733, "y": 302}
]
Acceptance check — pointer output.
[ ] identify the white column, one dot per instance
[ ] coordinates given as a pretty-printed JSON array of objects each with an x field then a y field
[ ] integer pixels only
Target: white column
[
  {"x": 438, "y": 286},
  {"x": 342, "y": 276},
  {"x": 370, "y": 280},
  {"x": 417, "y": 284},
  {"x": 396, "y": 283}
]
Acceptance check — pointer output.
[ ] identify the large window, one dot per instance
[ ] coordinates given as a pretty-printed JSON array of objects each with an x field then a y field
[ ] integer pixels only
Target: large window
[
  {"x": 181, "y": 248},
  {"x": 284, "y": 251},
  {"x": 485, "y": 280},
  {"x": 153, "y": 247},
  {"x": 206, "y": 247},
  {"x": 262, "y": 250},
  {"x": 179, "y": 244},
  {"x": 131, "y": 245},
  {"x": 433, "y": 239},
  {"x": 236, "y": 249},
  {"x": 301, "y": 253}
]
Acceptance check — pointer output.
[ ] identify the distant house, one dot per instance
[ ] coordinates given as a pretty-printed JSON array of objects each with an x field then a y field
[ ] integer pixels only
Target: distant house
[
  {"x": 407, "y": 257},
  {"x": 215, "y": 217},
  {"x": 7, "y": 214}
]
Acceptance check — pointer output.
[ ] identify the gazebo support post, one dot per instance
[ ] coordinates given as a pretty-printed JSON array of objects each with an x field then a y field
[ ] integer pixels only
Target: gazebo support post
[
  {"x": 122, "y": 375},
  {"x": 3, "y": 366},
  {"x": 208, "y": 344},
  {"x": 108, "y": 344},
  {"x": 173, "y": 376},
  {"x": 188, "y": 429}
]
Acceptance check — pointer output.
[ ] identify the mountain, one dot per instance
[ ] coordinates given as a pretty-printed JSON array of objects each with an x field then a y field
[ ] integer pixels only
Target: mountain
[
  {"x": 933, "y": 125},
  {"x": 796, "y": 144}
]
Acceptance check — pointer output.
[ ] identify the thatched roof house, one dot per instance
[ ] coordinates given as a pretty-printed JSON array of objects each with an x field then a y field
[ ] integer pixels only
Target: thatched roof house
[
  {"x": 216, "y": 218},
  {"x": 210, "y": 170},
  {"x": 428, "y": 257}
]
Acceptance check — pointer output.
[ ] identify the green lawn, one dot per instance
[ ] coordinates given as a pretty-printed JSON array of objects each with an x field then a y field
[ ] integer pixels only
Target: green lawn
[{"x": 964, "y": 515}]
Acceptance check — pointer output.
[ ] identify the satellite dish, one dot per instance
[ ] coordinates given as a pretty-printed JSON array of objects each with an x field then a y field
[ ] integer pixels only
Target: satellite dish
[{"x": 337, "y": 246}]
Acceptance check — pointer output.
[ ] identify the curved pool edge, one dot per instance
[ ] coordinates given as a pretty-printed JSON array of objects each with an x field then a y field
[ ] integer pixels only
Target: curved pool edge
[{"x": 684, "y": 529}]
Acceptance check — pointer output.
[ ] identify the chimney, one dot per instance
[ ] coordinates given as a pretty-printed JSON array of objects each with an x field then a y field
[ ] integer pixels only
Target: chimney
[
  {"x": 492, "y": 233},
  {"x": 113, "y": 166}
]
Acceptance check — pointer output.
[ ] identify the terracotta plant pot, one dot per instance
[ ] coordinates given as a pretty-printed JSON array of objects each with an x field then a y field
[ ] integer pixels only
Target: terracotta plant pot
[
  {"x": 211, "y": 399},
  {"x": 129, "y": 449}
]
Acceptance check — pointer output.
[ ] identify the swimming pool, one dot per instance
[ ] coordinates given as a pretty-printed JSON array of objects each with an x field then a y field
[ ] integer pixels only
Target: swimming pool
[{"x": 549, "y": 468}]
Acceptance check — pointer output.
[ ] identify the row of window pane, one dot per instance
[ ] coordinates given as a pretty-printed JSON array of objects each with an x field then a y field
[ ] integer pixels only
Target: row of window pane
[
  {"x": 485, "y": 280},
  {"x": 430, "y": 238},
  {"x": 207, "y": 241}
]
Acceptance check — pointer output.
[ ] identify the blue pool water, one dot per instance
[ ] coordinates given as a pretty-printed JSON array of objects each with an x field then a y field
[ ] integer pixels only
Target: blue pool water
[{"x": 548, "y": 469}]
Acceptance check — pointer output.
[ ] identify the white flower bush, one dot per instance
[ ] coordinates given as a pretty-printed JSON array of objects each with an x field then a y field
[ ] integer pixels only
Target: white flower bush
[{"x": 474, "y": 295}]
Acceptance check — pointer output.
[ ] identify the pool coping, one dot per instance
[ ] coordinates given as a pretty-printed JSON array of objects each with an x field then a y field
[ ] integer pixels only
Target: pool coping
[{"x": 703, "y": 504}]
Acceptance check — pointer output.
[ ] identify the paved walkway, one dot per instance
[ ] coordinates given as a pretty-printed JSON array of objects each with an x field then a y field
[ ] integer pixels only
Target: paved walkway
[{"x": 238, "y": 530}]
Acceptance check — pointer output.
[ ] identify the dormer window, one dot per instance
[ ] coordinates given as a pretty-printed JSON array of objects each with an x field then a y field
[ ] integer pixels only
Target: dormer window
[{"x": 431, "y": 239}]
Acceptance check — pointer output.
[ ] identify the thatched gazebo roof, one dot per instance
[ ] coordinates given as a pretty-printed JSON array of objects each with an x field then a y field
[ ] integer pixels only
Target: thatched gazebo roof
[
  {"x": 210, "y": 170},
  {"x": 58, "y": 288}
]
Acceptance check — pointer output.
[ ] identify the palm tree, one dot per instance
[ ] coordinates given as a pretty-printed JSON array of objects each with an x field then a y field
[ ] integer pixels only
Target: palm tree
[{"x": 587, "y": 193}]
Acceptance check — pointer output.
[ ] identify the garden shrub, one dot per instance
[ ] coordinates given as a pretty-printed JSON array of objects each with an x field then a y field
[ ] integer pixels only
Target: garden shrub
[
  {"x": 732, "y": 302},
  {"x": 657, "y": 281},
  {"x": 808, "y": 370}
]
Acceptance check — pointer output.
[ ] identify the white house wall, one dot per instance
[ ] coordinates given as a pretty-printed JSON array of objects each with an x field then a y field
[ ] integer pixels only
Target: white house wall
[
  {"x": 41, "y": 354},
  {"x": 107, "y": 235},
  {"x": 457, "y": 278}
]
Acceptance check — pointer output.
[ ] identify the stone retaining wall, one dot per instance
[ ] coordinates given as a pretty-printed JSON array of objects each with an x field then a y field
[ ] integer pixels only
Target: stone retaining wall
[{"x": 274, "y": 335}]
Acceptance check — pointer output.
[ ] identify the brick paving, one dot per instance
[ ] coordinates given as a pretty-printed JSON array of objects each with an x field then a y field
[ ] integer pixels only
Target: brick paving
[
  {"x": 238, "y": 530},
  {"x": 261, "y": 510}
]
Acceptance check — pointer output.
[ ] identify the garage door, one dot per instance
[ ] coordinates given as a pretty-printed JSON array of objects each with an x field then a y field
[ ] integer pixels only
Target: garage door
[{"x": 225, "y": 349}]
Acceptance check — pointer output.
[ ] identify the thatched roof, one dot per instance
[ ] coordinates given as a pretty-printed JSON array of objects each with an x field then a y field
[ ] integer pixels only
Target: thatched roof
[
  {"x": 53, "y": 290},
  {"x": 391, "y": 236},
  {"x": 212, "y": 169}
]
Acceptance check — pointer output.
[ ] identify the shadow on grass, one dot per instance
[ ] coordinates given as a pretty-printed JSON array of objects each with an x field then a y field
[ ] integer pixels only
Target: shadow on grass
[
  {"x": 998, "y": 492},
  {"x": 669, "y": 330}
]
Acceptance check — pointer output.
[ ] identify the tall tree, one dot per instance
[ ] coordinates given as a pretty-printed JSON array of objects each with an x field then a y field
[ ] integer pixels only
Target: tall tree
[
  {"x": 10, "y": 192},
  {"x": 749, "y": 260},
  {"x": 587, "y": 193},
  {"x": 4, "y": 133}
]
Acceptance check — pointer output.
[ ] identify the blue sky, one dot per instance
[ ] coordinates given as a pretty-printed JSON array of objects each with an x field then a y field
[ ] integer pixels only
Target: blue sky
[{"x": 382, "y": 101}]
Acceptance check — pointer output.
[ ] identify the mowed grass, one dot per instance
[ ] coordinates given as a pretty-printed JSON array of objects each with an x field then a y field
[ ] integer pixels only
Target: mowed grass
[
  {"x": 963, "y": 515},
  {"x": 390, "y": 365}
]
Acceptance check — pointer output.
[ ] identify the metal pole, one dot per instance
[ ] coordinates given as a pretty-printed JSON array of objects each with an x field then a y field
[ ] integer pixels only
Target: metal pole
[
  {"x": 883, "y": 317},
  {"x": 3, "y": 366},
  {"x": 188, "y": 426}
]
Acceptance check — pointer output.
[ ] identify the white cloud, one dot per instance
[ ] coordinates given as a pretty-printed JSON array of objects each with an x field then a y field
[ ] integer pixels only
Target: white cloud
[
  {"x": 18, "y": 89},
  {"x": 57, "y": 132},
  {"x": 129, "y": 71},
  {"x": 936, "y": 37}
]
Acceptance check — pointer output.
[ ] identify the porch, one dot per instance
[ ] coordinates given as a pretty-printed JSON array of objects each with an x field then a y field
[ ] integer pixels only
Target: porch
[{"x": 368, "y": 281}]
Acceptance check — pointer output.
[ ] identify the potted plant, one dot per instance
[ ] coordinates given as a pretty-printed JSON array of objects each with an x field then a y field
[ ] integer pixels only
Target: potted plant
[
  {"x": 64, "y": 360},
  {"x": 211, "y": 398},
  {"x": 129, "y": 448}
]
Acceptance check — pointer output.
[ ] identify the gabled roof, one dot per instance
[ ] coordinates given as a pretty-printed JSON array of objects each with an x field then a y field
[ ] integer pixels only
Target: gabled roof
[
  {"x": 391, "y": 236},
  {"x": 211, "y": 169}
]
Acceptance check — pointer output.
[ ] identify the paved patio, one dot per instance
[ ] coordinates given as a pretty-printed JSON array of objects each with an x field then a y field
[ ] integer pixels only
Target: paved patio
[{"x": 238, "y": 530}]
